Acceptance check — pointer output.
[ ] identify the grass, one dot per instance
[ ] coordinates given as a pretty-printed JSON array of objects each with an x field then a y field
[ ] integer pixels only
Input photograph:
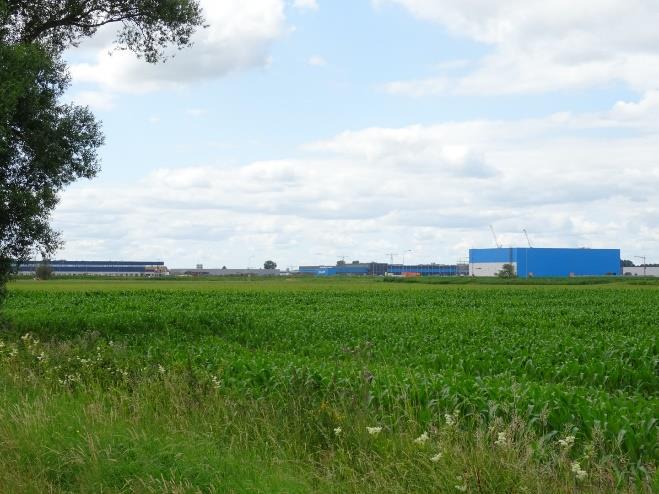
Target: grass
[{"x": 235, "y": 386}]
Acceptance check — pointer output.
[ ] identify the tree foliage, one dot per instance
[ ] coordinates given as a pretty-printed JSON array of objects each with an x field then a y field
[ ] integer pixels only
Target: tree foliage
[
  {"x": 269, "y": 265},
  {"x": 44, "y": 144},
  {"x": 146, "y": 26},
  {"x": 44, "y": 270},
  {"x": 507, "y": 271}
]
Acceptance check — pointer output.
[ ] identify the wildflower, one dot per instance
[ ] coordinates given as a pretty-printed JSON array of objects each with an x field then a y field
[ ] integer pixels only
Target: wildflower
[
  {"x": 578, "y": 471},
  {"x": 2, "y": 344},
  {"x": 567, "y": 442},
  {"x": 374, "y": 431},
  {"x": 338, "y": 431},
  {"x": 216, "y": 382},
  {"x": 449, "y": 419},
  {"x": 502, "y": 440},
  {"x": 161, "y": 369},
  {"x": 422, "y": 438},
  {"x": 463, "y": 485},
  {"x": 436, "y": 458}
]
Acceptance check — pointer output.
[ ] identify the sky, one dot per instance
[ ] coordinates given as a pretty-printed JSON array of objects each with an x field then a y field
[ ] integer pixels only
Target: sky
[{"x": 305, "y": 131}]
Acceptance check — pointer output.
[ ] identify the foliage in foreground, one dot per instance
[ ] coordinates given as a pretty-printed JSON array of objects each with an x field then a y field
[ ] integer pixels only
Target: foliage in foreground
[{"x": 244, "y": 387}]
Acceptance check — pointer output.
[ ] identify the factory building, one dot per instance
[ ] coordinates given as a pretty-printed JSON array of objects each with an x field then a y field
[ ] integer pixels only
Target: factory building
[
  {"x": 354, "y": 269},
  {"x": 428, "y": 269},
  {"x": 383, "y": 269},
  {"x": 641, "y": 271},
  {"x": 201, "y": 271},
  {"x": 98, "y": 268},
  {"x": 528, "y": 262}
]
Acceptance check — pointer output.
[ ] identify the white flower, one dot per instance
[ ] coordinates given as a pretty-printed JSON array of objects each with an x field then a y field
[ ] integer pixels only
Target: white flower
[
  {"x": 422, "y": 438},
  {"x": 436, "y": 458},
  {"x": 461, "y": 488},
  {"x": 578, "y": 471},
  {"x": 217, "y": 383},
  {"x": 449, "y": 419},
  {"x": 567, "y": 442},
  {"x": 161, "y": 369},
  {"x": 338, "y": 431},
  {"x": 502, "y": 440},
  {"x": 374, "y": 431}
]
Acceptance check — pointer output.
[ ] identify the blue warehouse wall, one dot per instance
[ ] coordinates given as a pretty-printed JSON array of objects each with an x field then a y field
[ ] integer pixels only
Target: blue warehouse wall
[
  {"x": 564, "y": 262},
  {"x": 553, "y": 262}
]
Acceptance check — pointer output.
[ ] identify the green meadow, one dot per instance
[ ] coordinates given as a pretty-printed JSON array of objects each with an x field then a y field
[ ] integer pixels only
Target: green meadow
[{"x": 344, "y": 385}]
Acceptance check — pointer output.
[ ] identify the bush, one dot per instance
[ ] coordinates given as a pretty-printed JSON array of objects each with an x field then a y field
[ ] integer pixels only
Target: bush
[{"x": 44, "y": 270}]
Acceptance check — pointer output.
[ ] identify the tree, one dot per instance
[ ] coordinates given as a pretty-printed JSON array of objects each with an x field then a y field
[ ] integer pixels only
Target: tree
[
  {"x": 341, "y": 262},
  {"x": 626, "y": 263},
  {"x": 44, "y": 270},
  {"x": 269, "y": 265},
  {"x": 507, "y": 271},
  {"x": 46, "y": 145}
]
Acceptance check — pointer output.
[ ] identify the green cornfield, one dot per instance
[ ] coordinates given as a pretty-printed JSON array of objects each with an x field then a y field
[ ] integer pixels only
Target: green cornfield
[{"x": 353, "y": 385}]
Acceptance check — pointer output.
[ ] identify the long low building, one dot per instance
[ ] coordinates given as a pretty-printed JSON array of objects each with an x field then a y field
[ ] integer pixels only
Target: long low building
[
  {"x": 98, "y": 268},
  {"x": 223, "y": 272},
  {"x": 545, "y": 262},
  {"x": 641, "y": 271},
  {"x": 384, "y": 269}
]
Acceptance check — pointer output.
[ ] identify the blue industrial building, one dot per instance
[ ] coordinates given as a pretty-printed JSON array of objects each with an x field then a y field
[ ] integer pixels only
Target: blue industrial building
[
  {"x": 428, "y": 269},
  {"x": 545, "y": 262},
  {"x": 101, "y": 268},
  {"x": 382, "y": 269},
  {"x": 354, "y": 269}
]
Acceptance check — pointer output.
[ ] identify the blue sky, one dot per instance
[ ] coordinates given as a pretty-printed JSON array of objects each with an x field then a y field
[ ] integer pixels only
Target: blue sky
[{"x": 306, "y": 130}]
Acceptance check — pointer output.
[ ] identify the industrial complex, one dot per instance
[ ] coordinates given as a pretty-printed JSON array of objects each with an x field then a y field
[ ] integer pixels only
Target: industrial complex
[{"x": 524, "y": 262}]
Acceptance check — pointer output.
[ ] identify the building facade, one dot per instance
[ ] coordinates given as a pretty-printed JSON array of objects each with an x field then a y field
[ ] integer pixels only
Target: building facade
[
  {"x": 384, "y": 269},
  {"x": 201, "y": 271},
  {"x": 428, "y": 269},
  {"x": 641, "y": 271},
  {"x": 545, "y": 262},
  {"x": 98, "y": 268}
]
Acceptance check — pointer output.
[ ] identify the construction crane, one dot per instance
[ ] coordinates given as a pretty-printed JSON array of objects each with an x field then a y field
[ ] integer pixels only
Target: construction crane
[
  {"x": 496, "y": 240},
  {"x": 391, "y": 257},
  {"x": 644, "y": 266},
  {"x": 527, "y": 238}
]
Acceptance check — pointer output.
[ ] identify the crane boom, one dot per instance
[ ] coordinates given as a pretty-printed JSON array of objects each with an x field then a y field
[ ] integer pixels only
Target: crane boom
[
  {"x": 496, "y": 240},
  {"x": 527, "y": 238}
]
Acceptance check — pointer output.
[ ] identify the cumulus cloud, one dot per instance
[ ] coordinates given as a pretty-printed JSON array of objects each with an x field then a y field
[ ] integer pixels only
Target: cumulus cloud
[
  {"x": 317, "y": 61},
  {"x": 305, "y": 4},
  {"x": 238, "y": 37},
  {"x": 430, "y": 188},
  {"x": 543, "y": 46},
  {"x": 97, "y": 100}
]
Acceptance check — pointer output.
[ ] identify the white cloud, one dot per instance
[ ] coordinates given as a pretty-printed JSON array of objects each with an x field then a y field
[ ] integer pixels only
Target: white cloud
[
  {"x": 543, "y": 46},
  {"x": 97, "y": 100},
  {"x": 430, "y": 188},
  {"x": 305, "y": 4},
  {"x": 197, "y": 112},
  {"x": 238, "y": 37},
  {"x": 317, "y": 61}
]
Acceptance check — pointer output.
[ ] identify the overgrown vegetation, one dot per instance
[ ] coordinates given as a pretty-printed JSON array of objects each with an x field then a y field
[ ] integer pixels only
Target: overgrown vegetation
[{"x": 272, "y": 386}]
